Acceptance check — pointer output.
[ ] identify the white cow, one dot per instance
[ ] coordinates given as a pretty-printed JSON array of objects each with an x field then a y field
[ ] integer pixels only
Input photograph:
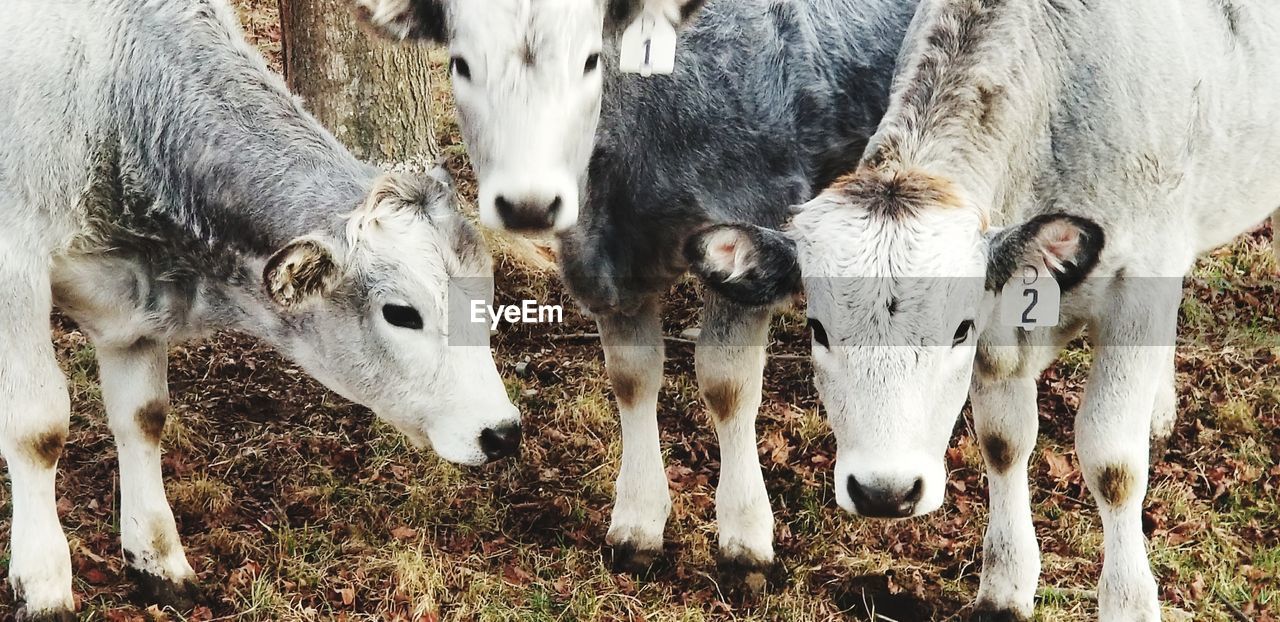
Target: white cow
[
  {"x": 527, "y": 79},
  {"x": 157, "y": 183},
  {"x": 1108, "y": 143}
]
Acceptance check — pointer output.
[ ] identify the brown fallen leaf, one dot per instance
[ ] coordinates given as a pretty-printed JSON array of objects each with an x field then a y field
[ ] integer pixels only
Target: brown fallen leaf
[
  {"x": 404, "y": 533},
  {"x": 95, "y": 576},
  {"x": 1060, "y": 467},
  {"x": 516, "y": 576}
]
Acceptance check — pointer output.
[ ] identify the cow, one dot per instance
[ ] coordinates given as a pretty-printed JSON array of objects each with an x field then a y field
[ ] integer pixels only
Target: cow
[
  {"x": 1105, "y": 144},
  {"x": 527, "y": 83},
  {"x": 769, "y": 102},
  {"x": 157, "y": 182}
]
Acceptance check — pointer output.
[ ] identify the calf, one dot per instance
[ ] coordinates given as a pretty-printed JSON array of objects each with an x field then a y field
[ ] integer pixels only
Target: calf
[
  {"x": 769, "y": 101},
  {"x": 157, "y": 183},
  {"x": 1113, "y": 141}
]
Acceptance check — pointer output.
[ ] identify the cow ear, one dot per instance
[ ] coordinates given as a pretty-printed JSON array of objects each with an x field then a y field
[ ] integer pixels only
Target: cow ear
[
  {"x": 305, "y": 269},
  {"x": 620, "y": 13},
  {"x": 406, "y": 19},
  {"x": 744, "y": 263},
  {"x": 1069, "y": 246}
]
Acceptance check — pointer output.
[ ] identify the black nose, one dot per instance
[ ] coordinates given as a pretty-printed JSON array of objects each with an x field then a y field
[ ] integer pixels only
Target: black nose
[
  {"x": 888, "y": 502},
  {"x": 498, "y": 443},
  {"x": 527, "y": 215}
]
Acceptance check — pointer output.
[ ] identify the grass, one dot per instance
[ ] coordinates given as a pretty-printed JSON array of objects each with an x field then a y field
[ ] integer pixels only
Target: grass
[{"x": 296, "y": 506}]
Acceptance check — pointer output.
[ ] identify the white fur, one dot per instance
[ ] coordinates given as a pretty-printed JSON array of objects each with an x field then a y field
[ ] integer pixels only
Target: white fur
[
  {"x": 743, "y": 514},
  {"x": 452, "y": 391},
  {"x": 890, "y": 433},
  {"x": 529, "y": 129},
  {"x": 132, "y": 379},
  {"x": 642, "y": 497},
  {"x": 1008, "y": 407},
  {"x": 725, "y": 358},
  {"x": 33, "y": 403},
  {"x": 1169, "y": 145}
]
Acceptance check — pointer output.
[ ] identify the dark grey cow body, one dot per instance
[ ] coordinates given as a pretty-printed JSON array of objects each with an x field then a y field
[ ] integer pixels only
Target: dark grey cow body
[
  {"x": 770, "y": 100},
  {"x": 157, "y": 182}
]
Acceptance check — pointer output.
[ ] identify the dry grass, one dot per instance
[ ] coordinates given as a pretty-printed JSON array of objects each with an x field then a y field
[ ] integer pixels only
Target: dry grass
[{"x": 296, "y": 506}]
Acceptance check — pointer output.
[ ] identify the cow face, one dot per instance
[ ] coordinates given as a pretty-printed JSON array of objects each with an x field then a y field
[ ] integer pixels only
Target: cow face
[
  {"x": 901, "y": 277},
  {"x": 527, "y": 80},
  {"x": 368, "y": 313}
]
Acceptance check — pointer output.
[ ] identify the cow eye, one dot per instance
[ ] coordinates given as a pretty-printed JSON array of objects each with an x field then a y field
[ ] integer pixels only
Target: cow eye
[
  {"x": 819, "y": 333},
  {"x": 962, "y": 333},
  {"x": 460, "y": 67},
  {"x": 402, "y": 316},
  {"x": 593, "y": 63}
]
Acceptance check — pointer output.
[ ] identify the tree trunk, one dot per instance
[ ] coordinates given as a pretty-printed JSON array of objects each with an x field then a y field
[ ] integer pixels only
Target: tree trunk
[{"x": 373, "y": 94}]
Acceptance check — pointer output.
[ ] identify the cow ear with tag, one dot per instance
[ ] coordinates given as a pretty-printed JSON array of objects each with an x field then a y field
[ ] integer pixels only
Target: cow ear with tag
[
  {"x": 305, "y": 269},
  {"x": 1033, "y": 263},
  {"x": 647, "y": 45},
  {"x": 405, "y": 19},
  {"x": 747, "y": 264}
]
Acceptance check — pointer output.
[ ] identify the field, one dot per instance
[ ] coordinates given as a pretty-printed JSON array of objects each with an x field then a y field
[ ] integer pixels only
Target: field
[{"x": 294, "y": 505}]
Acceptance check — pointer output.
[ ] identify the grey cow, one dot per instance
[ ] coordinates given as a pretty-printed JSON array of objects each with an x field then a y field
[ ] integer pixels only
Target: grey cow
[
  {"x": 157, "y": 182},
  {"x": 770, "y": 100}
]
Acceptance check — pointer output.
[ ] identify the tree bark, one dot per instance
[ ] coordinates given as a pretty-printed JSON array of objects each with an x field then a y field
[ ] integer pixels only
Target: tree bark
[{"x": 373, "y": 94}]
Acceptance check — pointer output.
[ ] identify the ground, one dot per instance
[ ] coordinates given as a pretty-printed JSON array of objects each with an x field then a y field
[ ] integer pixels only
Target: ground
[{"x": 295, "y": 505}]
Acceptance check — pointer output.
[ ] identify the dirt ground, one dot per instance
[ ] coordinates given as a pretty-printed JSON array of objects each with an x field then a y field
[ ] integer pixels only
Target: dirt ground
[{"x": 294, "y": 505}]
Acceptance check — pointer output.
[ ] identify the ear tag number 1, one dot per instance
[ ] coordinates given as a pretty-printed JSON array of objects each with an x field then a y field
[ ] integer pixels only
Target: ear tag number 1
[
  {"x": 1031, "y": 299},
  {"x": 648, "y": 46}
]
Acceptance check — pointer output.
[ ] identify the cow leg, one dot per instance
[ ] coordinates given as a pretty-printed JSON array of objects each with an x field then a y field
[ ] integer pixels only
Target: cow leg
[
  {"x": 633, "y": 352},
  {"x": 135, "y": 392},
  {"x": 730, "y": 363},
  {"x": 1133, "y": 340},
  {"x": 35, "y": 414},
  {"x": 1165, "y": 414},
  {"x": 1006, "y": 420}
]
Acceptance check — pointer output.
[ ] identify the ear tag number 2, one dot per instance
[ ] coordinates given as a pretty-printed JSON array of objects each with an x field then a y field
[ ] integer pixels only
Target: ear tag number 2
[
  {"x": 648, "y": 46},
  {"x": 1031, "y": 299}
]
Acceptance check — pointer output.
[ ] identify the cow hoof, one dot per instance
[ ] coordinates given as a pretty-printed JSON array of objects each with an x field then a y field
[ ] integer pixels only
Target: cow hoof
[
  {"x": 997, "y": 615},
  {"x": 45, "y": 615},
  {"x": 748, "y": 576},
  {"x": 155, "y": 590},
  {"x": 631, "y": 560}
]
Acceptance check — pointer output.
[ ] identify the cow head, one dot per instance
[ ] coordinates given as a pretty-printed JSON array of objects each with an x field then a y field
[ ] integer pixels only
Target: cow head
[
  {"x": 367, "y": 310},
  {"x": 901, "y": 275},
  {"x": 527, "y": 79}
]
